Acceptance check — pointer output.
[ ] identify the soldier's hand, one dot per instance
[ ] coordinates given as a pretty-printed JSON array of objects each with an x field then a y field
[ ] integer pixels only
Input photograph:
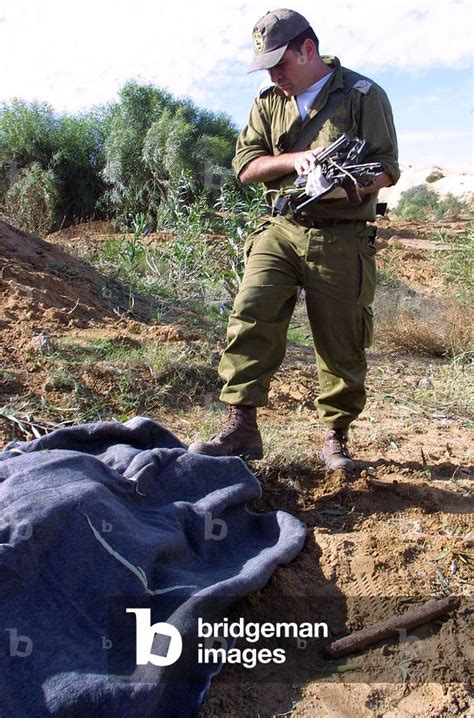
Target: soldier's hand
[
  {"x": 305, "y": 161},
  {"x": 381, "y": 180}
]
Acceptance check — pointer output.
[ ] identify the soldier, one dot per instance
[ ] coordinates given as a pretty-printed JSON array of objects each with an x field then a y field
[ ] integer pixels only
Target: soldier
[{"x": 327, "y": 250}]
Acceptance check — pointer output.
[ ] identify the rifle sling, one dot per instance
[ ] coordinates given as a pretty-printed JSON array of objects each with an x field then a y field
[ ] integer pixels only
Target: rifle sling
[{"x": 310, "y": 130}]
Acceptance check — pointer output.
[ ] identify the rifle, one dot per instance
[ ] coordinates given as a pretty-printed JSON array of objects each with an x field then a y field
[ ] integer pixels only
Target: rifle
[{"x": 339, "y": 165}]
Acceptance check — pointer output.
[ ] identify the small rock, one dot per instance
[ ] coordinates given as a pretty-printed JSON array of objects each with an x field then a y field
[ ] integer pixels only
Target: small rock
[
  {"x": 42, "y": 343},
  {"x": 425, "y": 383}
]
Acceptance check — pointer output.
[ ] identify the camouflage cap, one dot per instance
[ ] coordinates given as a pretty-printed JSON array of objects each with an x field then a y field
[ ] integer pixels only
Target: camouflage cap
[{"x": 271, "y": 36}]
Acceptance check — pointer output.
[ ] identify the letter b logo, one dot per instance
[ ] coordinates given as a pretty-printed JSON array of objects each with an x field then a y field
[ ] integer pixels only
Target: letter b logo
[
  {"x": 215, "y": 529},
  {"x": 145, "y": 635}
]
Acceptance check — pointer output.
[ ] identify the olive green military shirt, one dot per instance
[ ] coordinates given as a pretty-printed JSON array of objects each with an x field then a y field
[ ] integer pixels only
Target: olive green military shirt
[{"x": 364, "y": 112}]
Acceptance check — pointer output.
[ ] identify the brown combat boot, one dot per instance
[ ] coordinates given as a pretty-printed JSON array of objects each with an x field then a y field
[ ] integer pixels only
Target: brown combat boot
[
  {"x": 335, "y": 453},
  {"x": 239, "y": 437}
]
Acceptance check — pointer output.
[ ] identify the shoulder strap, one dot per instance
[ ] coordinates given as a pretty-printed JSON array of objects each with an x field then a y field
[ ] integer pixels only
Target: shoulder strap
[{"x": 309, "y": 131}]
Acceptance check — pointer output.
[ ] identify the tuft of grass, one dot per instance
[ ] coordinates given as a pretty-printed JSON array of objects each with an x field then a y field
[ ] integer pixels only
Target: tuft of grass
[
  {"x": 451, "y": 393},
  {"x": 448, "y": 394},
  {"x": 60, "y": 377},
  {"x": 108, "y": 377},
  {"x": 286, "y": 451},
  {"x": 300, "y": 334},
  {"x": 456, "y": 264},
  {"x": 422, "y": 325},
  {"x": 431, "y": 326},
  {"x": 387, "y": 270}
]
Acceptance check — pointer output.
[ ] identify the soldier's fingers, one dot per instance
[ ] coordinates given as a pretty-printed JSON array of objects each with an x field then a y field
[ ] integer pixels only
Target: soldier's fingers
[{"x": 301, "y": 165}]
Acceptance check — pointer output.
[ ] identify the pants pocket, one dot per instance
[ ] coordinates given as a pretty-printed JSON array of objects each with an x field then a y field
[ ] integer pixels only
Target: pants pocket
[
  {"x": 250, "y": 241},
  {"x": 367, "y": 268},
  {"x": 368, "y": 326}
]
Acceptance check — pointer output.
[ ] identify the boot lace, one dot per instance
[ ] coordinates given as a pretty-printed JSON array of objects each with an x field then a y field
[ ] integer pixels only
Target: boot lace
[
  {"x": 233, "y": 422},
  {"x": 338, "y": 443}
]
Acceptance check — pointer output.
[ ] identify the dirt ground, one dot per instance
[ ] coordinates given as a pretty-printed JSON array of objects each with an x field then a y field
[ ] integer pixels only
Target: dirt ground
[{"x": 400, "y": 529}]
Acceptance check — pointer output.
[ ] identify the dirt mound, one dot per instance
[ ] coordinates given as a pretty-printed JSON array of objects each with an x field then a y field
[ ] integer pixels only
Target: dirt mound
[
  {"x": 40, "y": 283},
  {"x": 83, "y": 231},
  {"x": 42, "y": 286}
]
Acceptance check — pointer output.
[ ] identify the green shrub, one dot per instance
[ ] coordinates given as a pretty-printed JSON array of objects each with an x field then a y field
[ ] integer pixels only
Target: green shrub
[
  {"x": 71, "y": 147},
  {"x": 242, "y": 208},
  {"x": 434, "y": 176},
  {"x": 32, "y": 201},
  {"x": 26, "y": 132},
  {"x": 423, "y": 203},
  {"x": 77, "y": 161},
  {"x": 154, "y": 141},
  {"x": 121, "y": 160}
]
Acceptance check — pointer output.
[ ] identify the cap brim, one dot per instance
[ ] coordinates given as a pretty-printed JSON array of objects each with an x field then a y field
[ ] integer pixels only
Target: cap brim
[{"x": 267, "y": 59}]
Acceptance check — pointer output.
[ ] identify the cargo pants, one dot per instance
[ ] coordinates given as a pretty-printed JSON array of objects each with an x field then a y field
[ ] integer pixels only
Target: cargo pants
[{"x": 335, "y": 264}]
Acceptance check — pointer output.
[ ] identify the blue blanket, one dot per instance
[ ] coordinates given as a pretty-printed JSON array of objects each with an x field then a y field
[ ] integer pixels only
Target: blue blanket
[{"x": 103, "y": 517}]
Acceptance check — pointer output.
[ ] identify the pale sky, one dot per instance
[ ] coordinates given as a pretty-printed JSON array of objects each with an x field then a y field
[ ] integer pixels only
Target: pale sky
[{"x": 74, "y": 55}]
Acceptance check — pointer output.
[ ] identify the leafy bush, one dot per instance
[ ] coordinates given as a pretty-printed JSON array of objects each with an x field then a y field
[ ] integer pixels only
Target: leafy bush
[
  {"x": 154, "y": 141},
  {"x": 77, "y": 161},
  {"x": 423, "y": 203},
  {"x": 197, "y": 259},
  {"x": 26, "y": 132},
  {"x": 117, "y": 161},
  {"x": 242, "y": 208},
  {"x": 32, "y": 201},
  {"x": 70, "y": 147}
]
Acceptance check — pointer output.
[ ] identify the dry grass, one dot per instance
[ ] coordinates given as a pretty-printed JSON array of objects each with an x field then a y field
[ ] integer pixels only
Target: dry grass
[{"x": 423, "y": 326}]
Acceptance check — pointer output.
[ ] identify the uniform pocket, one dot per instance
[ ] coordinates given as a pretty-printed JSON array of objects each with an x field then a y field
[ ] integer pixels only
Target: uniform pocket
[
  {"x": 321, "y": 247},
  {"x": 332, "y": 256},
  {"x": 368, "y": 326},
  {"x": 367, "y": 269},
  {"x": 250, "y": 241}
]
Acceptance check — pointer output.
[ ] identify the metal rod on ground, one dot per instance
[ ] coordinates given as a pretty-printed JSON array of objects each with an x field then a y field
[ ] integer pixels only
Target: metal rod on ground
[{"x": 416, "y": 616}]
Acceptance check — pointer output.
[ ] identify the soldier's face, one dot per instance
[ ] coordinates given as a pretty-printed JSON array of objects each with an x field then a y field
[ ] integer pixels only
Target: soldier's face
[{"x": 292, "y": 73}]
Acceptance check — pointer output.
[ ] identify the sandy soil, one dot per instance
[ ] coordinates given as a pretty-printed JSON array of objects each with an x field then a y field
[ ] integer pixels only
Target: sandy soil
[{"x": 400, "y": 528}]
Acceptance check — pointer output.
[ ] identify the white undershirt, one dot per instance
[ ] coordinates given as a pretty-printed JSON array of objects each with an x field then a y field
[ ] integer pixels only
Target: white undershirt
[{"x": 306, "y": 98}]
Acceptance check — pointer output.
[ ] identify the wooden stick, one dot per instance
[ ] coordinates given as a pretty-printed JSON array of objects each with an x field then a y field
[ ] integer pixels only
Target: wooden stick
[{"x": 415, "y": 616}]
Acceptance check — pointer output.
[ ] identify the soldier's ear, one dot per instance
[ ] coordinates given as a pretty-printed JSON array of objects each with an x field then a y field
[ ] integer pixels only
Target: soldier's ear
[
  {"x": 309, "y": 48},
  {"x": 307, "y": 52}
]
